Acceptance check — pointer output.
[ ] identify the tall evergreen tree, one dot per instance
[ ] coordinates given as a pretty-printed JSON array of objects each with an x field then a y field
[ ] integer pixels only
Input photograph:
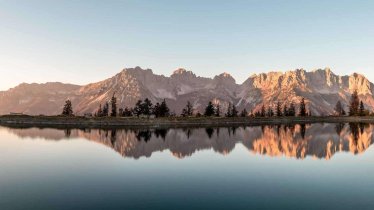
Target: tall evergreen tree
[
  {"x": 285, "y": 110},
  {"x": 292, "y": 110},
  {"x": 339, "y": 110},
  {"x": 302, "y": 111},
  {"x": 361, "y": 110},
  {"x": 354, "y": 104},
  {"x": 188, "y": 110},
  {"x": 244, "y": 113},
  {"x": 138, "y": 108},
  {"x": 229, "y": 110},
  {"x": 113, "y": 102},
  {"x": 157, "y": 110},
  {"x": 234, "y": 111},
  {"x": 217, "y": 110},
  {"x": 164, "y": 109},
  {"x": 106, "y": 109},
  {"x": 278, "y": 109},
  {"x": 263, "y": 111},
  {"x": 209, "y": 110},
  {"x": 270, "y": 112},
  {"x": 68, "y": 109},
  {"x": 147, "y": 107},
  {"x": 99, "y": 111}
]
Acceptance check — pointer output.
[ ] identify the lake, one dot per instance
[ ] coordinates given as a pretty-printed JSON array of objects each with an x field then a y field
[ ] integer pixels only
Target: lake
[{"x": 315, "y": 166}]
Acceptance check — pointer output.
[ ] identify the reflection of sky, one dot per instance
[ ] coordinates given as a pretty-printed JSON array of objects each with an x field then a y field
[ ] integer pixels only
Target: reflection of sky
[{"x": 76, "y": 172}]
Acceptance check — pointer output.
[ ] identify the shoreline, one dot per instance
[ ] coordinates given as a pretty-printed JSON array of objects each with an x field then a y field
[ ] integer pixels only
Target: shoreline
[{"x": 169, "y": 122}]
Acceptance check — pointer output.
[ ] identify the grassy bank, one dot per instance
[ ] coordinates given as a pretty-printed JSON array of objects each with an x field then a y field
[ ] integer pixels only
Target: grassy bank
[{"x": 59, "y": 121}]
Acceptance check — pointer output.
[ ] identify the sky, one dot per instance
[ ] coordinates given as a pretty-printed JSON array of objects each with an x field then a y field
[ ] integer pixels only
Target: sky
[{"x": 81, "y": 42}]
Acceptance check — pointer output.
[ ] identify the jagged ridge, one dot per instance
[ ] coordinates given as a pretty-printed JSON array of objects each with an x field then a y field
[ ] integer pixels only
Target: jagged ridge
[{"x": 321, "y": 89}]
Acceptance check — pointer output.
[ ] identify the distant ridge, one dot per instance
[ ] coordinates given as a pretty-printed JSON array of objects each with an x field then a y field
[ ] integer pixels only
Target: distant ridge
[{"x": 321, "y": 88}]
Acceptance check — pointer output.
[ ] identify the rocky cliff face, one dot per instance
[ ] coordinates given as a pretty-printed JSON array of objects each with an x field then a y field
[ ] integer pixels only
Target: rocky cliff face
[{"x": 321, "y": 89}]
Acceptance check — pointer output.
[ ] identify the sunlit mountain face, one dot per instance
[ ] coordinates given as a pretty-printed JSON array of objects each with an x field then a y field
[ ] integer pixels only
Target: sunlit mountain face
[
  {"x": 321, "y": 89},
  {"x": 320, "y": 141}
]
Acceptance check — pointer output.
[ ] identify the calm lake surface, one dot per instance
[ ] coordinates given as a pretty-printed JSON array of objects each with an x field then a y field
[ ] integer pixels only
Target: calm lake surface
[{"x": 316, "y": 166}]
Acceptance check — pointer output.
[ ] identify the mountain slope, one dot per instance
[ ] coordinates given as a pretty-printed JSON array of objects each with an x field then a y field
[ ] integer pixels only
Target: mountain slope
[{"x": 321, "y": 89}]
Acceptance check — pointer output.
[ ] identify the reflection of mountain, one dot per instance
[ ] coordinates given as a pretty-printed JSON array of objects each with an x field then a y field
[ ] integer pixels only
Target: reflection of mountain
[{"x": 300, "y": 141}]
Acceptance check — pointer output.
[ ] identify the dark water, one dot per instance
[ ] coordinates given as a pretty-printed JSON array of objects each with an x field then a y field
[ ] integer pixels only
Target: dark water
[{"x": 318, "y": 166}]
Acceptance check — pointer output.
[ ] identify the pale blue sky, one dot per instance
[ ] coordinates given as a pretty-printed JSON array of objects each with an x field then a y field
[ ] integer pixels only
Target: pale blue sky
[{"x": 87, "y": 41}]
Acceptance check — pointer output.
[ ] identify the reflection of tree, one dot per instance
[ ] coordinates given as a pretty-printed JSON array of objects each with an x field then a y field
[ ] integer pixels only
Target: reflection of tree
[
  {"x": 354, "y": 127},
  {"x": 209, "y": 132},
  {"x": 217, "y": 131},
  {"x": 161, "y": 133},
  {"x": 143, "y": 135},
  {"x": 113, "y": 136},
  {"x": 302, "y": 130},
  {"x": 188, "y": 132},
  {"x": 339, "y": 127},
  {"x": 67, "y": 132}
]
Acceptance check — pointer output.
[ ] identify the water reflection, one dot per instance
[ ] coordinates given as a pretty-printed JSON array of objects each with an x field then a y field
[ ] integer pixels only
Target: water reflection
[{"x": 296, "y": 141}]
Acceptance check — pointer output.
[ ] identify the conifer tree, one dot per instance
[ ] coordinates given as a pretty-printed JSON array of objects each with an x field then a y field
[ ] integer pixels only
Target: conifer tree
[
  {"x": 209, "y": 109},
  {"x": 339, "y": 110},
  {"x": 164, "y": 109},
  {"x": 270, "y": 112},
  {"x": 217, "y": 110},
  {"x": 292, "y": 110},
  {"x": 354, "y": 104},
  {"x": 147, "y": 107},
  {"x": 188, "y": 110},
  {"x": 106, "y": 109},
  {"x": 285, "y": 110},
  {"x": 278, "y": 109},
  {"x": 99, "y": 111},
  {"x": 229, "y": 110},
  {"x": 361, "y": 110},
  {"x": 302, "y": 111},
  {"x": 138, "y": 108},
  {"x": 244, "y": 113},
  {"x": 68, "y": 108},
  {"x": 113, "y": 102},
  {"x": 234, "y": 111},
  {"x": 263, "y": 111}
]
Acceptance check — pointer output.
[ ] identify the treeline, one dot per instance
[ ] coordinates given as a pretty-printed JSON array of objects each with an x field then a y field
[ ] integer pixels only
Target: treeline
[
  {"x": 147, "y": 108},
  {"x": 356, "y": 107}
]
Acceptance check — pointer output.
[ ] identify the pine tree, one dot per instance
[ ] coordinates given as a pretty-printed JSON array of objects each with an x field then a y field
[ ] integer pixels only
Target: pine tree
[
  {"x": 292, "y": 110},
  {"x": 234, "y": 111},
  {"x": 138, "y": 108},
  {"x": 278, "y": 110},
  {"x": 354, "y": 104},
  {"x": 68, "y": 109},
  {"x": 270, "y": 112},
  {"x": 244, "y": 113},
  {"x": 147, "y": 107},
  {"x": 164, "y": 109},
  {"x": 361, "y": 110},
  {"x": 339, "y": 110},
  {"x": 229, "y": 110},
  {"x": 99, "y": 111},
  {"x": 285, "y": 110},
  {"x": 157, "y": 110},
  {"x": 106, "y": 109},
  {"x": 263, "y": 111},
  {"x": 113, "y": 102},
  {"x": 209, "y": 110},
  {"x": 302, "y": 111},
  {"x": 218, "y": 110},
  {"x": 188, "y": 110}
]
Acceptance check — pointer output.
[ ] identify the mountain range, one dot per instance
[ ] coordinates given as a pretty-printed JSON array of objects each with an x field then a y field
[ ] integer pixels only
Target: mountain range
[{"x": 321, "y": 88}]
